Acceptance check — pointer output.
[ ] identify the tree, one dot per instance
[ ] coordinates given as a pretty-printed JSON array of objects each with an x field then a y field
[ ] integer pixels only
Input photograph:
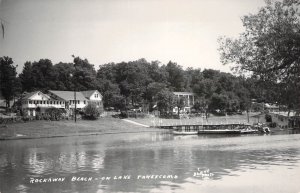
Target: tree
[
  {"x": 27, "y": 77},
  {"x": 218, "y": 102},
  {"x": 152, "y": 90},
  {"x": 165, "y": 101},
  {"x": 270, "y": 45},
  {"x": 91, "y": 112},
  {"x": 180, "y": 103},
  {"x": 84, "y": 74},
  {"x": 63, "y": 79},
  {"x": 205, "y": 88},
  {"x": 111, "y": 94},
  {"x": 9, "y": 84},
  {"x": 175, "y": 76},
  {"x": 158, "y": 72},
  {"x": 39, "y": 75}
]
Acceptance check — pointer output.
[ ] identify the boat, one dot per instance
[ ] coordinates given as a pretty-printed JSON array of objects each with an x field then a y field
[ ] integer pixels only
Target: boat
[
  {"x": 249, "y": 131},
  {"x": 220, "y": 131},
  {"x": 185, "y": 130},
  {"x": 214, "y": 129},
  {"x": 182, "y": 132},
  {"x": 262, "y": 128}
]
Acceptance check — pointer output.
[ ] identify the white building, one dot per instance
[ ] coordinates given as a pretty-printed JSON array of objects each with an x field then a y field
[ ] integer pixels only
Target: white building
[
  {"x": 37, "y": 100},
  {"x": 31, "y": 101},
  {"x": 93, "y": 96},
  {"x": 189, "y": 100},
  {"x": 69, "y": 98}
]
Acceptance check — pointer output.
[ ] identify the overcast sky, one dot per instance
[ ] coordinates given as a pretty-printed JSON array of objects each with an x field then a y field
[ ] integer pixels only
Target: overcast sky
[{"x": 103, "y": 31}]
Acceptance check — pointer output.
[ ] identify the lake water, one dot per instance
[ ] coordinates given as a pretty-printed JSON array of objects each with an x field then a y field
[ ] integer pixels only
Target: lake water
[{"x": 152, "y": 162}]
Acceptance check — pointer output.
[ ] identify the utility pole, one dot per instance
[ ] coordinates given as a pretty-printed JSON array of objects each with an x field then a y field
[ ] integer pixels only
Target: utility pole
[{"x": 75, "y": 103}]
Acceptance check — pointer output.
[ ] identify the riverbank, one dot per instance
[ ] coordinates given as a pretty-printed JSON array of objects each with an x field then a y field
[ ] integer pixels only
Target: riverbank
[
  {"x": 109, "y": 125},
  {"x": 65, "y": 128}
]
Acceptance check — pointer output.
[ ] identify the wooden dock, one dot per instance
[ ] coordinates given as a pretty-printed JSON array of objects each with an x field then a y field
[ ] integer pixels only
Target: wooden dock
[{"x": 213, "y": 128}]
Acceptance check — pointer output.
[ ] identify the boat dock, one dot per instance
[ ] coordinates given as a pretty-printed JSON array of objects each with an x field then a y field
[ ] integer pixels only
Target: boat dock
[{"x": 212, "y": 128}]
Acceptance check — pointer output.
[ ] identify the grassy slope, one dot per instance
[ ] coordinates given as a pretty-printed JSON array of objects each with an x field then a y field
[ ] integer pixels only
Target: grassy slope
[{"x": 37, "y": 129}]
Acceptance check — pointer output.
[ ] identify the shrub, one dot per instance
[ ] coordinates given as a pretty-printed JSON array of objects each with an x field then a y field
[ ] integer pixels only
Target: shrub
[
  {"x": 26, "y": 118},
  {"x": 123, "y": 115},
  {"x": 268, "y": 118},
  {"x": 54, "y": 113},
  {"x": 2, "y": 120},
  {"x": 91, "y": 112},
  {"x": 273, "y": 124}
]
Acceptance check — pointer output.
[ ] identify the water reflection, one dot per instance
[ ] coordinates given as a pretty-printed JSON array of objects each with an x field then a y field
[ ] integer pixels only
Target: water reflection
[{"x": 161, "y": 153}]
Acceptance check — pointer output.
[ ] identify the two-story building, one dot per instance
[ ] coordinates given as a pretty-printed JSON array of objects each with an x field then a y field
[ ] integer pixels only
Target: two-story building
[
  {"x": 188, "y": 98},
  {"x": 93, "y": 96},
  {"x": 38, "y": 100},
  {"x": 33, "y": 101},
  {"x": 69, "y": 98}
]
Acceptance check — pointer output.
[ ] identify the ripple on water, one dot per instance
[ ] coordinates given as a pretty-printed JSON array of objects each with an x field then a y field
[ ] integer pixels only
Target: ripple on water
[{"x": 228, "y": 158}]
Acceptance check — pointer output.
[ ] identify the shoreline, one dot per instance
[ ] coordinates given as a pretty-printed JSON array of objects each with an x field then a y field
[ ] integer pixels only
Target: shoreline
[
  {"x": 103, "y": 126},
  {"x": 66, "y": 128},
  {"x": 60, "y": 136}
]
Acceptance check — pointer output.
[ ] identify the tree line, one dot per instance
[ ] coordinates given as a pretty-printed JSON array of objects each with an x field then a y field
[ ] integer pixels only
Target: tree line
[{"x": 132, "y": 84}]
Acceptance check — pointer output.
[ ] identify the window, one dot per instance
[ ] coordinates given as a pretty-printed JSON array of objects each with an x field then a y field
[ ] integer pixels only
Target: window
[
  {"x": 41, "y": 102},
  {"x": 47, "y": 102},
  {"x": 30, "y": 102},
  {"x": 78, "y": 102},
  {"x": 84, "y": 102},
  {"x": 50, "y": 102},
  {"x": 96, "y": 95},
  {"x": 44, "y": 102}
]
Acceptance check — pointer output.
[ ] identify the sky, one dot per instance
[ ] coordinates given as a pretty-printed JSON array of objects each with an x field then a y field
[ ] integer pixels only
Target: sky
[{"x": 104, "y": 31}]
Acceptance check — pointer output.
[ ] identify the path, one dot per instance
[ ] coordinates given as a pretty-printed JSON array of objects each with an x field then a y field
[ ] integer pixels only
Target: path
[{"x": 133, "y": 122}]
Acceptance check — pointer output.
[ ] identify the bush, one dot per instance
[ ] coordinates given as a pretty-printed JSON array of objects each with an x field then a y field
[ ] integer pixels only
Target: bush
[
  {"x": 268, "y": 118},
  {"x": 27, "y": 118},
  {"x": 272, "y": 125},
  {"x": 123, "y": 115},
  {"x": 91, "y": 112},
  {"x": 54, "y": 114},
  {"x": 169, "y": 116},
  {"x": 2, "y": 120},
  {"x": 218, "y": 112}
]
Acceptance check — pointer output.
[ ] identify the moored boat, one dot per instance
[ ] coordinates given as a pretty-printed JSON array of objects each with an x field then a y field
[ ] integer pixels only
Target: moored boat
[
  {"x": 215, "y": 129},
  {"x": 249, "y": 131},
  {"x": 182, "y": 132},
  {"x": 219, "y": 131}
]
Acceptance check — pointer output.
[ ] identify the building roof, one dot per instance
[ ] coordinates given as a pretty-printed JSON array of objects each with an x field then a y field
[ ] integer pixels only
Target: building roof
[
  {"x": 183, "y": 93},
  {"x": 68, "y": 95},
  {"x": 88, "y": 93},
  {"x": 31, "y": 94}
]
